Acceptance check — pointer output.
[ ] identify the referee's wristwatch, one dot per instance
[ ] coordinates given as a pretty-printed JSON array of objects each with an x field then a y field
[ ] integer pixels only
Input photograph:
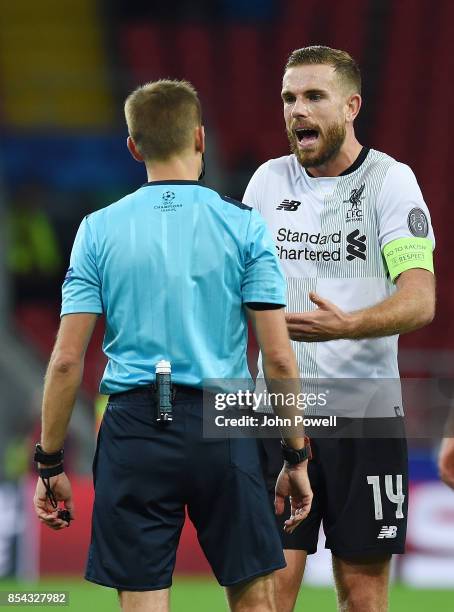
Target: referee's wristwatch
[
  {"x": 293, "y": 456},
  {"x": 44, "y": 458}
]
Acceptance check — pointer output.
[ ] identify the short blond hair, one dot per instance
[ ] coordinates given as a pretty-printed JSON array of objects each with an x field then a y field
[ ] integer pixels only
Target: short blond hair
[
  {"x": 161, "y": 117},
  {"x": 342, "y": 62}
]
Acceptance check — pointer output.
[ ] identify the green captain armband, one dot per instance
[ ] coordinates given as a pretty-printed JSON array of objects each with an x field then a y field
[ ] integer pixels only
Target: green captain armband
[{"x": 407, "y": 253}]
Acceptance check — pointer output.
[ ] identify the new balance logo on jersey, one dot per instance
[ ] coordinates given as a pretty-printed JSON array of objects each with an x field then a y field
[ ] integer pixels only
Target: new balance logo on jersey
[
  {"x": 387, "y": 531},
  {"x": 355, "y": 213},
  {"x": 289, "y": 205},
  {"x": 356, "y": 246}
]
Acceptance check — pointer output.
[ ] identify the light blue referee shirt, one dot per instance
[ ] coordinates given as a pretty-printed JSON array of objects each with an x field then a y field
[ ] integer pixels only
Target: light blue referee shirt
[{"x": 171, "y": 266}]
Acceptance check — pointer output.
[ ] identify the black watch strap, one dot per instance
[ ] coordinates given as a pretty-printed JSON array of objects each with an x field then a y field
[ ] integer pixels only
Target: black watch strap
[
  {"x": 47, "y": 458},
  {"x": 293, "y": 456}
]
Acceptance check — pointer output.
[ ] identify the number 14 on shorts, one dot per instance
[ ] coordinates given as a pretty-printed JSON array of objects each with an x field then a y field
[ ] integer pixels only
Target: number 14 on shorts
[{"x": 396, "y": 497}]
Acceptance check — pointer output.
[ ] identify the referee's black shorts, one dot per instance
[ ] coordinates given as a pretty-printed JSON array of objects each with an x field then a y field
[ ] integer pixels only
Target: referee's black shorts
[
  {"x": 360, "y": 488},
  {"x": 146, "y": 476}
]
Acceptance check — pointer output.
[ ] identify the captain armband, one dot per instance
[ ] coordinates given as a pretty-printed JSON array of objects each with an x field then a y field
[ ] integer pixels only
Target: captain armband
[{"x": 408, "y": 253}]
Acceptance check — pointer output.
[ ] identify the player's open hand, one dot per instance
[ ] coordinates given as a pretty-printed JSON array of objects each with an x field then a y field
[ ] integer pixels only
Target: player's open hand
[
  {"x": 293, "y": 482},
  {"x": 327, "y": 322},
  {"x": 46, "y": 513}
]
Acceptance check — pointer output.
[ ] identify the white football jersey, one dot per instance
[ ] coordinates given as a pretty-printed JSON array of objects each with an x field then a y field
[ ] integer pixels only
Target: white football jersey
[{"x": 329, "y": 234}]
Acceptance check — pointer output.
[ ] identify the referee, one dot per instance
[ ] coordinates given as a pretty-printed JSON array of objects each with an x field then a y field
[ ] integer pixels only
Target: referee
[{"x": 176, "y": 269}]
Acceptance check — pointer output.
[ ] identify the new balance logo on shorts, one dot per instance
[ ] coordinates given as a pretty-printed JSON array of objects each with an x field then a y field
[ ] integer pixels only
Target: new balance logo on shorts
[
  {"x": 289, "y": 205},
  {"x": 387, "y": 531}
]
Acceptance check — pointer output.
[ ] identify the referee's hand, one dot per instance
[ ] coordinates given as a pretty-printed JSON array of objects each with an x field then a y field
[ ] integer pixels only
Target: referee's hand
[
  {"x": 46, "y": 513},
  {"x": 293, "y": 482}
]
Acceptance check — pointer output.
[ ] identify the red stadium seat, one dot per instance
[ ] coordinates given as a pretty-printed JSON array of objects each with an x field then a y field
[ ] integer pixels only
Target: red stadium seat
[
  {"x": 144, "y": 53},
  {"x": 38, "y": 323},
  {"x": 196, "y": 50},
  {"x": 411, "y": 125},
  {"x": 394, "y": 126}
]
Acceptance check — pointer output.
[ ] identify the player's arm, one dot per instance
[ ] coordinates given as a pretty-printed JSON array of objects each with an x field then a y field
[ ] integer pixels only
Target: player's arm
[
  {"x": 82, "y": 303},
  {"x": 279, "y": 363},
  {"x": 63, "y": 377},
  {"x": 446, "y": 455},
  {"x": 253, "y": 195},
  {"x": 411, "y": 307},
  {"x": 282, "y": 378},
  {"x": 407, "y": 242},
  {"x": 62, "y": 381},
  {"x": 406, "y": 239},
  {"x": 446, "y": 461},
  {"x": 263, "y": 292}
]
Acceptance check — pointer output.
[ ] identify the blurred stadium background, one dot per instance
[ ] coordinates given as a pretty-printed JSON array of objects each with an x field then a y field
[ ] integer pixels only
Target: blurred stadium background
[{"x": 65, "y": 68}]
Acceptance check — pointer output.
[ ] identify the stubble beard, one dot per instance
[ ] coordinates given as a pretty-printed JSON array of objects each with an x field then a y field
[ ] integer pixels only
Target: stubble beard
[{"x": 334, "y": 138}]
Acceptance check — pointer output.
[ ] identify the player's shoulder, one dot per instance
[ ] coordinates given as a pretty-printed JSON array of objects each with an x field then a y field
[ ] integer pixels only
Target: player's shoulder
[
  {"x": 394, "y": 170},
  {"x": 285, "y": 161},
  {"x": 398, "y": 185},
  {"x": 276, "y": 165}
]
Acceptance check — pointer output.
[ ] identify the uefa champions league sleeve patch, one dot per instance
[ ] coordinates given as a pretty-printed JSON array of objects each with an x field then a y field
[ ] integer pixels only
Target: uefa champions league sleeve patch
[
  {"x": 417, "y": 223},
  {"x": 69, "y": 274}
]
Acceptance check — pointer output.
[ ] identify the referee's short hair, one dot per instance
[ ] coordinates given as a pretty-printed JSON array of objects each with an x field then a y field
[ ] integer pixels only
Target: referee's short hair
[
  {"x": 161, "y": 117},
  {"x": 342, "y": 62}
]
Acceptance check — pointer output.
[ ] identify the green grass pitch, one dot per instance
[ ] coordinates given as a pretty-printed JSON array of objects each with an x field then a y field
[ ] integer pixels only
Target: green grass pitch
[{"x": 204, "y": 595}]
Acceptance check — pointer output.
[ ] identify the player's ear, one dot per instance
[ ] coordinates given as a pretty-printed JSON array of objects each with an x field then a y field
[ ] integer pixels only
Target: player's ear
[
  {"x": 353, "y": 105},
  {"x": 133, "y": 149},
  {"x": 200, "y": 139}
]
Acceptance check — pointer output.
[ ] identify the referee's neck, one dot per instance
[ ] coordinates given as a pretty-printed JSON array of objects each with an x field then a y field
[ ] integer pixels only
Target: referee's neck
[{"x": 181, "y": 168}]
